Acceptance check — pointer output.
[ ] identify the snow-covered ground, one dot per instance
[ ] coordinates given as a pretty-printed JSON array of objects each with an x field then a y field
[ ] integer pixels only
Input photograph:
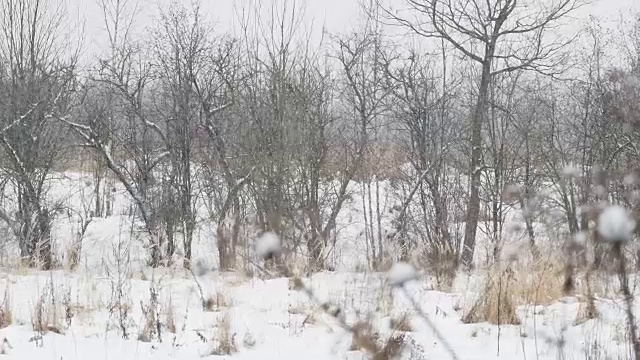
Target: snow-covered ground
[
  {"x": 268, "y": 320},
  {"x": 104, "y": 307}
]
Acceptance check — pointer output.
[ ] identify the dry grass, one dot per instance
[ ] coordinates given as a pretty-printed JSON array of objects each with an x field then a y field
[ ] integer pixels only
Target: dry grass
[
  {"x": 384, "y": 301},
  {"x": 48, "y": 310},
  {"x": 44, "y": 316},
  {"x": 6, "y": 315},
  {"x": 152, "y": 325},
  {"x": 169, "y": 315},
  {"x": 402, "y": 324},
  {"x": 505, "y": 288},
  {"x": 495, "y": 304},
  {"x": 439, "y": 261},
  {"x": 73, "y": 255},
  {"x": 224, "y": 343},
  {"x": 216, "y": 302},
  {"x": 365, "y": 338},
  {"x": 533, "y": 282}
]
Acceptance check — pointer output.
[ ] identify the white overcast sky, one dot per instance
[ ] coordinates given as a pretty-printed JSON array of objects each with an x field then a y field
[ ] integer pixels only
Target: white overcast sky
[{"x": 333, "y": 15}]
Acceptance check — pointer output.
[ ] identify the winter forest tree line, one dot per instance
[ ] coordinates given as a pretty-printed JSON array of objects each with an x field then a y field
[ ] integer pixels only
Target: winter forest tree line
[{"x": 264, "y": 130}]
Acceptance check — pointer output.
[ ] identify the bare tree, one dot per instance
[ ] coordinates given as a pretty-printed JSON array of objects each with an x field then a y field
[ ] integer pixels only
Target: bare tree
[
  {"x": 423, "y": 100},
  {"x": 117, "y": 112},
  {"x": 181, "y": 46},
  {"x": 36, "y": 78},
  {"x": 215, "y": 86},
  {"x": 359, "y": 56},
  {"x": 500, "y": 36}
]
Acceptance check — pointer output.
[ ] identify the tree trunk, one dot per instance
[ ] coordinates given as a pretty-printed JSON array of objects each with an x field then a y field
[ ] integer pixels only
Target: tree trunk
[
  {"x": 44, "y": 240},
  {"x": 221, "y": 241},
  {"x": 473, "y": 207}
]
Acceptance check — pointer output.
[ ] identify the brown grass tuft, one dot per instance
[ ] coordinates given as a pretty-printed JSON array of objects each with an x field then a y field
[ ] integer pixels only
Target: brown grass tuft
[
  {"x": 364, "y": 338},
  {"x": 392, "y": 348},
  {"x": 538, "y": 282},
  {"x": 494, "y": 304}
]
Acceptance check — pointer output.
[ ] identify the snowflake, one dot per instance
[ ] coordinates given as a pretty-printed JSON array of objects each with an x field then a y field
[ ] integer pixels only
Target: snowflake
[
  {"x": 268, "y": 245},
  {"x": 616, "y": 224},
  {"x": 400, "y": 273}
]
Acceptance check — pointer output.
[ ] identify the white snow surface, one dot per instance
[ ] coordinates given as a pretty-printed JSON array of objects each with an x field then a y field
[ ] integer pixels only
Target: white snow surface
[{"x": 270, "y": 321}]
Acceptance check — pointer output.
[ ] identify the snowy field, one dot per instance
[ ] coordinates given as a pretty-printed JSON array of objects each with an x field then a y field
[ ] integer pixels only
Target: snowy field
[{"x": 109, "y": 308}]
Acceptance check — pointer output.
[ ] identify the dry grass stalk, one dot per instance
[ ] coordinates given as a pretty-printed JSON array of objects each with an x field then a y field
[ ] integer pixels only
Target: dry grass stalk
[
  {"x": 495, "y": 303},
  {"x": 152, "y": 326},
  {"x": 6, "y": 315},
  {"x": 384, "y": 303},
  {"x": 225, "y": 340},
  {"x": 44, "y": 318},
  {"x": 538, "y": 282},
  {"x": 402, "y": 324},
  {"x": 170, "y": 321}
]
